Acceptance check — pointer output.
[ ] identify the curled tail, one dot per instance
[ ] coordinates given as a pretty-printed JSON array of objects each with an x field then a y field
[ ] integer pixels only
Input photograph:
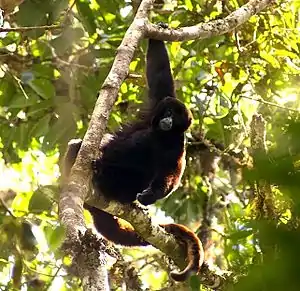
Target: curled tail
[
  {"x": 158, "y": 71},
  {"x": 113, "y": 229},
  {"x": 193, "y": 245}
]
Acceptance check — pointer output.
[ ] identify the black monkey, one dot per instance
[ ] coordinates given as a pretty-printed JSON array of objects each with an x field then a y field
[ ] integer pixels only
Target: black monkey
[{"x": 145, "y": 161}]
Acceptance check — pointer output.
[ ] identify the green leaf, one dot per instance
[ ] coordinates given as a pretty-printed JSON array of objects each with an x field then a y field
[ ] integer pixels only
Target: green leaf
[
  {"x": 41, "y": 49},
  {"x": 55, "y": 237},
  {"x": 238, "y": 235},
  {"x": 19, "y": 134},
  {"x": 39, "y": 107},
  {"x": 39, "y": 202},
  {"x": 10, "y": 38},
  {"x": 221, "y": 106},
  {"x": 87, "y": 16},
  {"x": 7, "y": 91},
  {"x": 270, "y": 59},
  {"x": 194, "y": 283},
  {"x": 109, "y": 6},
  {"x": 63, "y": 129},
  {"x": 41, "y": 127},
  {"x": 55, "y": 9},
  {"x": 43, "y": 87},
  {"x": 43, "y": 71},
  {"x": 189, "y": 5},
  {"x": 40, "y": 17},
  {"x": 19, "y": 100}
]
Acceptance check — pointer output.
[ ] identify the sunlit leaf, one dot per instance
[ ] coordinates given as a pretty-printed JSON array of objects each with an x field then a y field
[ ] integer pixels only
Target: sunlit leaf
[
  {"x": 39, "y": 202},
  {"x": 55, "y": 236}
]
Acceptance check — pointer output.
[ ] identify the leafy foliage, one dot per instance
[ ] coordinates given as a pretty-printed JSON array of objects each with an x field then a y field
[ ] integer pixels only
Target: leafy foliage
[{"x": 49, "y": 80}]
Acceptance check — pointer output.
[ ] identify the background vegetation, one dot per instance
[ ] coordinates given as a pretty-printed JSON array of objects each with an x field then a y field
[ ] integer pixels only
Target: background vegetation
[{"x": 49, "y": 79}]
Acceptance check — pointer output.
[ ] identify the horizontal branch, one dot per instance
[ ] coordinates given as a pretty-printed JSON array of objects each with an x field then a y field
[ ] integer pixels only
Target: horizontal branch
[
  {"x": 270, "y": 103},
  {"x": 211, "y": 28},
  {"x": 28, "y": 28},
  {"x": 155, "y": 235}
]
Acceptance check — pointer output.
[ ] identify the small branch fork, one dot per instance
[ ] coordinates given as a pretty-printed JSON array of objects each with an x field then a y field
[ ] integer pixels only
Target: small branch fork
[{"x": 76, "y": 189}]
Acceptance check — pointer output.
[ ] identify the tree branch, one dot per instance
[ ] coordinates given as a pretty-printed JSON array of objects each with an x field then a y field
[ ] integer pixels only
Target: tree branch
[
  {"x": 155, "y": 235},
  {"x": 211, "y": 28},
  {"x": 28, "y": 28}
]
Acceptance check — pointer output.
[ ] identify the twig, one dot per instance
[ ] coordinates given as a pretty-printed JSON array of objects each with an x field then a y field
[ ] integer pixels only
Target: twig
[
  {"x": 70, "y": 7},
  {"x": 211, "y": 28},
  {"x": 6, "y": 207},
  {"x": 28, "y": 28},
  {"x": 54, "y": 276},
  {"x": 43, "y": 273},
  {"x": 68, "y": 11},
  {"x": 270, "y": 103}
]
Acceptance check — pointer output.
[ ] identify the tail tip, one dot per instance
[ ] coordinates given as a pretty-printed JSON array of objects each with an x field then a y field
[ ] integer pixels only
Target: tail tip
[{"x": 182, "y": 276}]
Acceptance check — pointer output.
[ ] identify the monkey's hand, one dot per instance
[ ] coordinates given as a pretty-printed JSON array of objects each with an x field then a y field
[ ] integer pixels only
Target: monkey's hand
[
  {"x": 147, "y": 197},
  {"x": 162, "y": 24}
]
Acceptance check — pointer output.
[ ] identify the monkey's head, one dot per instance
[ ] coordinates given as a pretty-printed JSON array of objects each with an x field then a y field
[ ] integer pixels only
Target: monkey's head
[{"x": 171, "y": 115}]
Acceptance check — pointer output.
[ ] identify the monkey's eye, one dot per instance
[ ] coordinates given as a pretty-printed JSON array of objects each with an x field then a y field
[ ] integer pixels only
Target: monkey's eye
[{"x": 168, "y": 113}]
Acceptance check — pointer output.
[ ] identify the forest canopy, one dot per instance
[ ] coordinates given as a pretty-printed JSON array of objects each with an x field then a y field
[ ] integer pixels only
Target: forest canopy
[{"x": 240, "y": 189}]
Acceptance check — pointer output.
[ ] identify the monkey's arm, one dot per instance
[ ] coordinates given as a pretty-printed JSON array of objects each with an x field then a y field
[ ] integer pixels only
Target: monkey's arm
[{"x": 159, "y": 76}]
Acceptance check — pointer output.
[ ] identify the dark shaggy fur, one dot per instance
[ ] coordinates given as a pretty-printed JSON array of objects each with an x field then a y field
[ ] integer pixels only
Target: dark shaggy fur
[{"x": 145, "y": 160}]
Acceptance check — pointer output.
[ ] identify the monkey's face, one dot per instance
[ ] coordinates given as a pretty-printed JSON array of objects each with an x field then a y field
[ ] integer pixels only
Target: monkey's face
[
  {"x": 166, "y": 122},
  {"x": 171, "y": 115}
]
